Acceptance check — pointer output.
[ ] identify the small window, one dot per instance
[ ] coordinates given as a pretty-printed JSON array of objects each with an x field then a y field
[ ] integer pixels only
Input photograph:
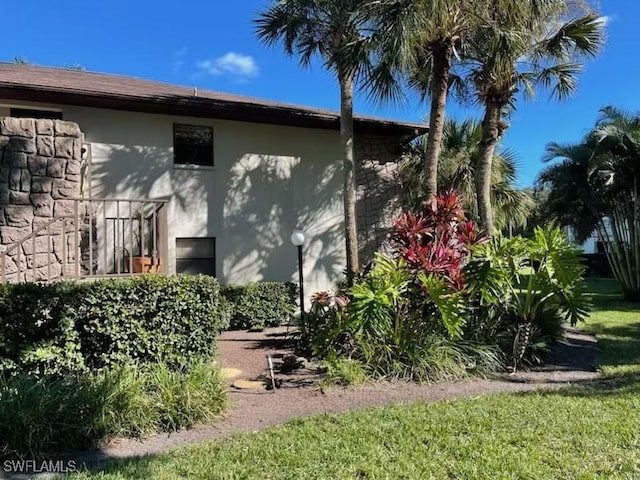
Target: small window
[
  {"x": 33, "y": 113},
  {"x": 196, "y": 255},
  {"x": 192, "y": 145}
]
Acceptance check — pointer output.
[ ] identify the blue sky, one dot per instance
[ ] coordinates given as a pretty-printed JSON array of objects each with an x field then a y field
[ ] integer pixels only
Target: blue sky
[{"x": 211, "y": 44}]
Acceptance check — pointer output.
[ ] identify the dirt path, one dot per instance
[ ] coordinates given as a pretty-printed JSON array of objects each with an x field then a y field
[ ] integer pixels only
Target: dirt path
[{"x": 300, "y": 396}]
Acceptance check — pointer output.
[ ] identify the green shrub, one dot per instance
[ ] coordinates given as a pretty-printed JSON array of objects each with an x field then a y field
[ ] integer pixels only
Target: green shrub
[
  {"x": 72, "y": 327},
  {"x": 406, "y": 318},
  {"x": 260, "y": 305},
  {"x": 52, "y": 414}
]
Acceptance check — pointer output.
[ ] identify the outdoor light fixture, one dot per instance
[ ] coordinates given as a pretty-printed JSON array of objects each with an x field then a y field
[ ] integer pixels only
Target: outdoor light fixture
[{"x": 298, "y": 238}]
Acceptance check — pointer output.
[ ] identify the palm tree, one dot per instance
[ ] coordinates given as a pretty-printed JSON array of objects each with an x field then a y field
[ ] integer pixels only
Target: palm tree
[
  {"x": 421, "y": 39},
  {"x": 460, "y": 147},
  {"x": 333, "y": 30},
  {"x": 594, "y": 186},
  {"x": 516, "y": 53}
]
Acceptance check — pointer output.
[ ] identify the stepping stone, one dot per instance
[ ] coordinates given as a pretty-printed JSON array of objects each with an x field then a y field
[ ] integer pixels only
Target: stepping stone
[
  {"x": 230, "y": 373},
  {"x": 248, "y": 385}
]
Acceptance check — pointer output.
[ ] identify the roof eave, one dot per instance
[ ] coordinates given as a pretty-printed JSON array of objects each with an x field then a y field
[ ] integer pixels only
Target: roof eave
[{"x": 209, "y": 108}]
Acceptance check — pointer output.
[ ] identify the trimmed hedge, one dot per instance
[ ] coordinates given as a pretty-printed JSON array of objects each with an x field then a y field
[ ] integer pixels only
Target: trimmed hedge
[
  {"x": 74, "y": 327},
  {"x": 260, "y": 305}
]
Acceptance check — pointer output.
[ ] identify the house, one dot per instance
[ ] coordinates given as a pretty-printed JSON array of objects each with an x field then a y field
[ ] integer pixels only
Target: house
[{"x": 106, "y": 175}]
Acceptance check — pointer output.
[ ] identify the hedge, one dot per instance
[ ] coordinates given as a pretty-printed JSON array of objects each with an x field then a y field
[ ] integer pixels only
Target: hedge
[
  {"x": 74, "y": 327},
  {"x": 260, "y": 305}
]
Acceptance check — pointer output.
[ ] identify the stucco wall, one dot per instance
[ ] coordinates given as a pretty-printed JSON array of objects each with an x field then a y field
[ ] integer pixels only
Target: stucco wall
[{"x": 267, "y": 180}]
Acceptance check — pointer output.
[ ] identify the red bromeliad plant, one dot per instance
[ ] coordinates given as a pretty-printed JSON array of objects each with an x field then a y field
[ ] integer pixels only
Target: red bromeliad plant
[{"x": 438, "y": 239}]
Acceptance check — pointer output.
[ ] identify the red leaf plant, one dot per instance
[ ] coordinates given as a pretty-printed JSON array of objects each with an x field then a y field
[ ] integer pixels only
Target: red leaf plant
[{"x": 438, "y": 239}]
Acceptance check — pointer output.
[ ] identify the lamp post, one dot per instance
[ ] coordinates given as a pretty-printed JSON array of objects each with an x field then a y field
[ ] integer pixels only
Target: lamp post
[{"x": 298, "y": 238}]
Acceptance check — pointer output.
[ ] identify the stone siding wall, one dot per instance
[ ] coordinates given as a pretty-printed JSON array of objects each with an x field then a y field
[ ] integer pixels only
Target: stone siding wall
[
  {"x": 40, "y": 170},
  {"x": 379, "y": 191}
]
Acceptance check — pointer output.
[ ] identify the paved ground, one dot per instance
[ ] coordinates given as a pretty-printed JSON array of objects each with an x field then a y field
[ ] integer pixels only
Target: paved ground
[{"x": 300, "y": 394}]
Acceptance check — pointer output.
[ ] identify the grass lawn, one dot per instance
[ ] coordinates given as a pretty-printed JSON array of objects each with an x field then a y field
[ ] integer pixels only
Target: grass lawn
[{"x": 582, "y": 432}]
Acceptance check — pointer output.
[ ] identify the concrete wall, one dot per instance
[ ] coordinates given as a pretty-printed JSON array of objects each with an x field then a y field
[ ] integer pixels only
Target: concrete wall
[
  {"x": 267, "y": 180},
  {"x": 40, "y": 165}
]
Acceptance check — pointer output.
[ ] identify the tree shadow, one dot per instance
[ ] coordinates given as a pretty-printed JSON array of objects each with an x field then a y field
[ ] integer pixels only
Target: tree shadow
[{"x": 250, "y": 202}]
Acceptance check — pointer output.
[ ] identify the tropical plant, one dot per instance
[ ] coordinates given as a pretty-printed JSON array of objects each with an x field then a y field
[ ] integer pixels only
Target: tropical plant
[
  {"x": 422, "y": 39},
  {"x": 335, "y": 31},
  {"x": 461, "y": 144},
  {"x": 594, "y": 187},
  {"x": 535, "y": 44}
]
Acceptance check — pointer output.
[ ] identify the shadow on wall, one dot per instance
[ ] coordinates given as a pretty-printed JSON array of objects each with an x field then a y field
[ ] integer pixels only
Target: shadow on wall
[
  {"x": 268, "y": 197},
  {"x": 250, "y": 204}
]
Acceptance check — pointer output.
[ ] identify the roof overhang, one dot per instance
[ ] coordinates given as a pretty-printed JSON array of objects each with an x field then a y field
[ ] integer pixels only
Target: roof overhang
[{"x": 175, "y": 101}]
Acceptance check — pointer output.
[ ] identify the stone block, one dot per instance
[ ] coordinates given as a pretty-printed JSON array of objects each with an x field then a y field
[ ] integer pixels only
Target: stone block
[
  {"x": 37, "y": 165},
  {"x": 66, "y": 129},
  {"x": 41, "y": 184},
  {"x": 20, "y": 127},
  {"x": 39, "y": 260},
  {"x": 9, "y": 235},
  {"x": 64, "y": 208},
  {"x": 25, "y": 180},
  {"x": 10, "y": 267},
  {"x": 64, "y": 147},
  {"x": 41, "y": 245},
  {"x": 44, "y": 127},
  {"x": 55, "y": 228},
  {"x": 56, "y": 167},
  {"x": 44, "y": 146},
  {"x": 14, "y": 179},
  {"x": 75, "y": 179},
  {"x": 42, "y": 204},
  {"x": 19, "y": 215},
  {"x": 74, "y": 167},
  {"x": 4, "y": 141},
  {"x": 21, "y": 144},
  {"x": 77, "y": 149},
  {"x": 19, "y": 198},
  {"x": 63, "y": 189},
  {"x": 15, "y": 159},
  {"x": 47, "y": 273}
]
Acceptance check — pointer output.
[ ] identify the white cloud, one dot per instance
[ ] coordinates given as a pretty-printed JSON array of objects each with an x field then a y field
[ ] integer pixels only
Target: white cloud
[{"x": 241, "y": 67}]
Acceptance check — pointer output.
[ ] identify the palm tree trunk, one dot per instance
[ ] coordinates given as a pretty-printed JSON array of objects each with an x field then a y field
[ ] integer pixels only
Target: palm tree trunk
[
  {"x": 439, "y": 90},
  {"x": 491, "y": 133},
  {"x": 349, "y": 190}
]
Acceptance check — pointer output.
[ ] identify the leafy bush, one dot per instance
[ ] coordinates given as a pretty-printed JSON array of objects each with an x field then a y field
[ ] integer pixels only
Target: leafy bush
[
  {"x": 260, "y": 305},
  {"x": 449, "y": 300},
  {"x": 523, "y": 290},
  {"x": 54, "y": 414},
  {"x": 72, "y": 327}
]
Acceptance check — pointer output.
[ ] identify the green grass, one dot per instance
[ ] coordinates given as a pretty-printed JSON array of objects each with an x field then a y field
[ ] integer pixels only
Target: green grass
[{"x": 583, "y": 432}]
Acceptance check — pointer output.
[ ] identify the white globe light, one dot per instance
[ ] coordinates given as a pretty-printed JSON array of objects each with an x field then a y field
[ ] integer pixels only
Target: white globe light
[{"x": 298, "y": 238}]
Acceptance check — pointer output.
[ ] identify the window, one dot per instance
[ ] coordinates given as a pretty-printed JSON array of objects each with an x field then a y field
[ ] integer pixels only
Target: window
[
  {"x": 34, "y": 113},
  {"x": 192, "y": 145},
  {"x": 196, "y": 255}
]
